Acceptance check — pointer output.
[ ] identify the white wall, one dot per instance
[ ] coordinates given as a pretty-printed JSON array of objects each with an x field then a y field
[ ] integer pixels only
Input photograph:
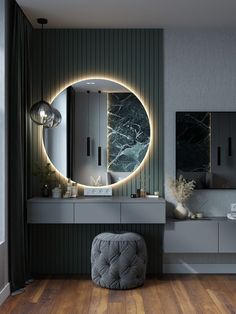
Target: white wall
[
  {"x": 4, "y": 287},
  {"x": 199, "y": 74}
]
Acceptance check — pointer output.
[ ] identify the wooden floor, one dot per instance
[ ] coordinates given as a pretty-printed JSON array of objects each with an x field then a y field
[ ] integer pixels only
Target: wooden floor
[{"x": 171, "y": 294}]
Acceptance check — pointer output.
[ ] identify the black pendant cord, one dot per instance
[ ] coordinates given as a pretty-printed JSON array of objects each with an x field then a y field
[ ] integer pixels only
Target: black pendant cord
[
  {"x": 99, "y": 135},
  {"x": 42, "y": 72},
  {"x": 42, "y": 21}
]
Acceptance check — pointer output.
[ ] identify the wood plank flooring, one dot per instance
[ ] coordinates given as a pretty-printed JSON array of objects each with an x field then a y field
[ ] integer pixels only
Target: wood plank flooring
[{"x": 188, "y": 294}]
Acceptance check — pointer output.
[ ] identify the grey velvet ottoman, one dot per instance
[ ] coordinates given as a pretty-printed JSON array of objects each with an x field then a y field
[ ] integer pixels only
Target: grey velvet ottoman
[{"x": 119, "y": 260}]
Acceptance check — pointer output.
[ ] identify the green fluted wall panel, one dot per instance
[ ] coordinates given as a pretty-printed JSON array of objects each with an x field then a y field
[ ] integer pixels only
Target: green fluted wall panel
[
  {"x": 65, "y": 249},
  {"x": 132, "y": 56}
]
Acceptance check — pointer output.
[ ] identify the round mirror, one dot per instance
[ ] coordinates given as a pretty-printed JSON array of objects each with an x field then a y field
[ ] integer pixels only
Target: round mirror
[{"x": 103, "y": 136}]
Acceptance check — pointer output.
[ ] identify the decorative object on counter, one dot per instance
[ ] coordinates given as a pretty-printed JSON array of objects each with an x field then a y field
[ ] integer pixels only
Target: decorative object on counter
[
  {"x": 46, "y": 175},
  {"x": 196, "y": 216},
  {"x": 152, "y": 196},
  {"x": 66, "y": 194},
  {"x": 138, "y": 192},
  {"x": 69, "y": 188},
  {"x": 181, "y": 190},
  {"x": 156, "y": 193},
  {"x": 199, "y": 215},
  {"x": 45, "y": 190},
  {"x": 74, "y": 190},
  {"x": 233, "y": 207},
  {"x": 142, "y": 193},
  {"x": 232, "y": 214},
  {"x": 56, "y": 192},
  {"x": 133, "y": 195},
  {"x": 98, "y": 191},
  {"x": 95, "y": 181}
]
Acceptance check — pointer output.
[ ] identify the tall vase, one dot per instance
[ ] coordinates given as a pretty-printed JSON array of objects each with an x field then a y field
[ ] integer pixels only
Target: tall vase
[{"x": 181, "y": 211}]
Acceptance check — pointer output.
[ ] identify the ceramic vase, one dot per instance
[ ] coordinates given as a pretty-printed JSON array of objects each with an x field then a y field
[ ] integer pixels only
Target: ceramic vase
[{"x": 181, "y": 211}]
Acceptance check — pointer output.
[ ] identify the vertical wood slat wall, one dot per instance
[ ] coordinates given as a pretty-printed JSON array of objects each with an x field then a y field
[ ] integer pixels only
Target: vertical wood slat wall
[
  {"x": 65, "y": 249},
  {"x": 132, "y": 56}
]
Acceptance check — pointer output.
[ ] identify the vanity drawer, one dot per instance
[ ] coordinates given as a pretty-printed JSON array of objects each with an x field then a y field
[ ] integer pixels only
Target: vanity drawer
[
  {"x": 227, "y": 236},
  {"x": 50, "y": 213},
  {"x": 142, "y": 213},
  {"x": 191, "y": 237},
  {"x": 97, "y": 213}
]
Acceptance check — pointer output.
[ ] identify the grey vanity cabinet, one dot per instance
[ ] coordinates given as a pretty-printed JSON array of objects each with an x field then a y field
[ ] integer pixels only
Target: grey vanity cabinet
[
  {"x": 111, "y": 210},
  {"x": 50, "y": 213},
  {"x": 227, "y": 237},
  {"x": 143, "y": 213},
  {"x": 191, "y": 237},
  {"x": 101, "y": 213}
]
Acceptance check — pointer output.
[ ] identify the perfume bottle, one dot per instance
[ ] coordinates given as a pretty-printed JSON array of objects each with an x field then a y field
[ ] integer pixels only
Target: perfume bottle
[
  {"x": 69, "y": 188},
  {"x": 74, "y": 190}
]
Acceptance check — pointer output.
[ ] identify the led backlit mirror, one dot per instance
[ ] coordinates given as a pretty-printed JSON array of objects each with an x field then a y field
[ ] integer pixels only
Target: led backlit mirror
[{"x": 104, "y": 134}]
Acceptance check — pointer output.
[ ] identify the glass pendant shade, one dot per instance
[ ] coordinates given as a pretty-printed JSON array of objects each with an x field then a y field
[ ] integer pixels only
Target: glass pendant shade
[
  {"x": 42, "y": 113},
  {"x": 56, "y": 120}
]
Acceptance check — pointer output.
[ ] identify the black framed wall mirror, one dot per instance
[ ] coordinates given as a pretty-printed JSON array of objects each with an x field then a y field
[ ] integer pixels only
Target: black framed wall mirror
[
  {"x": 206, "y": 148},
  {"x": 104, "y": 135}
]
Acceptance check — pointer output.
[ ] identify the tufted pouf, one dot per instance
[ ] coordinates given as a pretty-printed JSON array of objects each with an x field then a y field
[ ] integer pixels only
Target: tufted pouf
[{"x": 119, "y": 260}]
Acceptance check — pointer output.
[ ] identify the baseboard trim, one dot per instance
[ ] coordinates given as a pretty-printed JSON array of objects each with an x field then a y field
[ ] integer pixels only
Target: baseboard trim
[
  {"x": 199, "y": 268},
  {"x": 4, "y": 293}
]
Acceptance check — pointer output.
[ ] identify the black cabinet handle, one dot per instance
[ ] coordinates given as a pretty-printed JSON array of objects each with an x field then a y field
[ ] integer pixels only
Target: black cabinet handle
[
  {"x": 99, "y": 155},
  {"x": 88, "y": 146}
]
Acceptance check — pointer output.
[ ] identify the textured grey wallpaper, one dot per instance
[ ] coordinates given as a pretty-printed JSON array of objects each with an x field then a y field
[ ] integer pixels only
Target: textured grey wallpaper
[{"x": 200, "y": 68}]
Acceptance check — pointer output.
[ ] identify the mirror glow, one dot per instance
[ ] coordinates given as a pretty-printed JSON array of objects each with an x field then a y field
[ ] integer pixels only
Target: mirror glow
[{"x": 104, "y": 135}]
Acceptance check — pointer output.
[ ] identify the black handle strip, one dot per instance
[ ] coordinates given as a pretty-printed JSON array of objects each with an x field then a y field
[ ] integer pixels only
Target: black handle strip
[
  {"x": 88, "y": 146},
  {"x": 99, "y": 155}
]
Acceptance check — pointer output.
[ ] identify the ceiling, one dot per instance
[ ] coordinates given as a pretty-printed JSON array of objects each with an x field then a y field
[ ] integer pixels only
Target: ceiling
[
  {"x": 131, "y": 13},
  {"x": 95, "y": 85}
]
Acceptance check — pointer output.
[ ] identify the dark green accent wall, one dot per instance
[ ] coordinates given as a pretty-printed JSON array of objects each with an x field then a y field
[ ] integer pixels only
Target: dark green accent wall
[
  {"x": 65, "y": 249},
  {"x": 132, "y": 56}
]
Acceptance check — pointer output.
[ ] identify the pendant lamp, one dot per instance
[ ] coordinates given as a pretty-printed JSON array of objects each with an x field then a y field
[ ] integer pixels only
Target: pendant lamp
[
  {"x": 41, "y": 112},
  {"x": 56, "y": 119}
]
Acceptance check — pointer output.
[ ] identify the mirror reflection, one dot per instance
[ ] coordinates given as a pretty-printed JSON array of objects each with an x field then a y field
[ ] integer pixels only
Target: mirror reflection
[
  {"x": 205, "y": 148},
  {"x": 104, "y": 134}
]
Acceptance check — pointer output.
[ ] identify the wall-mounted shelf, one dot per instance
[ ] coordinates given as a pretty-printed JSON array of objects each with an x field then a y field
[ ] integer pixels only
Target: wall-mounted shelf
[{"x": 213, "y": 235}]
